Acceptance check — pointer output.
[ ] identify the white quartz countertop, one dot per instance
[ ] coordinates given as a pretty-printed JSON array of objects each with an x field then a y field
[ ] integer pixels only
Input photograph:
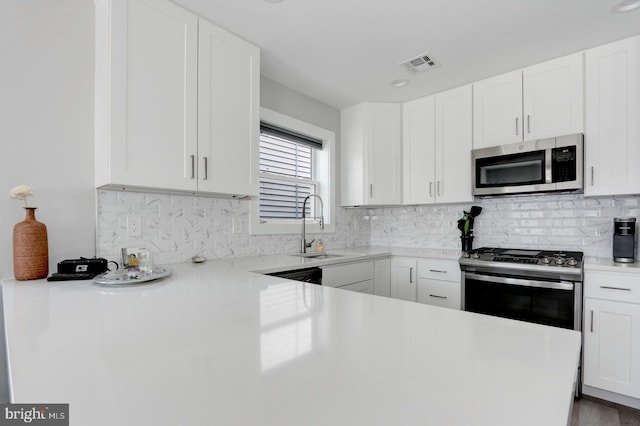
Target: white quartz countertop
[{"x": 216, "y": 344}]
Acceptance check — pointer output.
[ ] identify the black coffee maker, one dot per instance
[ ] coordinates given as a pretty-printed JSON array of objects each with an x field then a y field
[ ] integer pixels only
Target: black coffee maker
[{"x": 624, "y": 240}]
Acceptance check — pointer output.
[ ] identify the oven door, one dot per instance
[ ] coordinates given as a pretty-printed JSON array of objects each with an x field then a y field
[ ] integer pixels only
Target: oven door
[{"x": 555, "y": 303}]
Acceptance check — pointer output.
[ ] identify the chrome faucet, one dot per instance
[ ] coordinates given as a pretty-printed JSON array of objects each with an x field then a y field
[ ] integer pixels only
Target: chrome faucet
[{"x": 303, "y": 243}]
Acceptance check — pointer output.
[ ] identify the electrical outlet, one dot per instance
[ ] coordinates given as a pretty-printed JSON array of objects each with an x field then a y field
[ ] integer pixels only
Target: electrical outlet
[
  {"x": 236, "y": 227},
  {"x": 134, "y": 226}
]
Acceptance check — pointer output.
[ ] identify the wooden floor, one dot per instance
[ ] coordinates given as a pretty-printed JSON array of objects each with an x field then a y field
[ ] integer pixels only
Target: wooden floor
[{"x": 588, "y": 411}]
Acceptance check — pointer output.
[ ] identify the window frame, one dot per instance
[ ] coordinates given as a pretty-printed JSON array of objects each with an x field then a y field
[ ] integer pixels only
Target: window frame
[{"x": 324, "y": 177}]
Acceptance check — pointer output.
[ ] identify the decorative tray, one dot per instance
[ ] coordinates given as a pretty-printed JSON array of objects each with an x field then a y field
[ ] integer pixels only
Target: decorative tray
[{"x": 124, "y": 277}]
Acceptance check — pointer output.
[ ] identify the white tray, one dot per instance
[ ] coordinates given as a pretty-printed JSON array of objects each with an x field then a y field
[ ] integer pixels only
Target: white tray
[{"x": 121, "y": 277}]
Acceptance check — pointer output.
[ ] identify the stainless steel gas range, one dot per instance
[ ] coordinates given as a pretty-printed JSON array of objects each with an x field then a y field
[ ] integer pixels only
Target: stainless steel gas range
[{"x": 539, "y": 286}]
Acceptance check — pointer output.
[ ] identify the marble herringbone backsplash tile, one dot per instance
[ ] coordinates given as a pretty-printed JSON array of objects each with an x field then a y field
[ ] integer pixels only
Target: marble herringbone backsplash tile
[{"x": 177, "y": 227}]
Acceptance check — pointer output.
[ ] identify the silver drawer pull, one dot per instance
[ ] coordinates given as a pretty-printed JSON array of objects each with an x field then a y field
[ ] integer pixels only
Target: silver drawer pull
[
  {"x": 615, "y": 288},
  {"x": 592, "y": 320},
  {"x": 437, "y": 297},
  {"x": 438, "y": 271}
]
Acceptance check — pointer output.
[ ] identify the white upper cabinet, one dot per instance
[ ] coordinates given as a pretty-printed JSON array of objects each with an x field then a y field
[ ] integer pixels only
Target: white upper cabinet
[
  {"x": 612, "y": 148},
  {"x": 437, "y": 141},
  {"x": 541, "y": 101},
  {"x": 554, "y": 98},
  {"x": 418, "y": 151},
  {"x": 165, "y": 106},
  {"x": 453, "y": 145},
  {"x": 228, "y": 112},
  {"x": 371, "y": 154},
  {"x": 497, "y": 110}
]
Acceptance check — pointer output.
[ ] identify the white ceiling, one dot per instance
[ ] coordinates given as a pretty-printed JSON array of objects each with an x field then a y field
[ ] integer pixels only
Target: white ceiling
[{"x": 345, "y": 51}]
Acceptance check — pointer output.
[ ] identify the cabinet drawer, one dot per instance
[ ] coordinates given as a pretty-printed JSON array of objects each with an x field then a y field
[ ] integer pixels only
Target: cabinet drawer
[
  {"x": 439, "y": 293},
  {"x": 439, "y": 269},
  {"x": 361, "y": 287},
  {"x": 612, "y": 286},
  {"x": 340, "y": 275}
]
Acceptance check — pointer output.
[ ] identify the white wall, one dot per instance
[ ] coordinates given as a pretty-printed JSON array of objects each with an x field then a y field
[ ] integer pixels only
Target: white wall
[{"x": 46, "y": 123}]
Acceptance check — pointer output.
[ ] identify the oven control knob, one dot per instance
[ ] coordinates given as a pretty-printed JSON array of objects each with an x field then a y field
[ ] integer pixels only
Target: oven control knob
[
  {"x": 475, "y": 256},
  {"x": 546, "y": 260},
  {"x": 572, "y": 262},
  {"x": 559, "y": 261}
]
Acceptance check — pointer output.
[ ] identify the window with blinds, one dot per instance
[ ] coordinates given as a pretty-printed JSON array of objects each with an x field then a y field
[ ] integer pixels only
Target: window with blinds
[{"x": 286, "y": 172}]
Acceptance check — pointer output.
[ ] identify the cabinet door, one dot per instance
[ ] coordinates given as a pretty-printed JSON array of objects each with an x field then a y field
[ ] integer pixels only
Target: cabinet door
[
  {"x": 453, "y": 145},
  {"x": 403, "y": 279},
  {"x": 382, "y": 277},
  {"x": 418, "y": 143},
  {"x": 347, "y": 273},
  {"x": 150, "y": 118},
  {"x": 228, "y": 112},
  {"x": 497, "y": 110},
  {"x": 383, "y": 147},
  {"x": 554, "y": 98},
  {"x": 612, "y": 346},
  {"x": 612, "y": 151}
]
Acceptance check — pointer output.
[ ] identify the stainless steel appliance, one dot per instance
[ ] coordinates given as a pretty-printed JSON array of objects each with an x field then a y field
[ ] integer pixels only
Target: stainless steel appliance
[
  {"x": 539, "y": 286},
  {"x": 554, "y": 164},
  {"x": 624, "y": 240}
]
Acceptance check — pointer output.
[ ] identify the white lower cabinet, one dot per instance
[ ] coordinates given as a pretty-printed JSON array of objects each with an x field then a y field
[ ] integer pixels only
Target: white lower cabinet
[
  {"x": 612, "y": 332},
  {"x": 357, "y": 276},
  {"x": 439, "y": 283},
  {"x": 403, "y": 278},
  {"x": 382, "y": 277}
]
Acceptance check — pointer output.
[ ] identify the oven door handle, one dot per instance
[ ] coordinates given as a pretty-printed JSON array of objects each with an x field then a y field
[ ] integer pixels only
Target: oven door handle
[{"x": 559, "y": 285}]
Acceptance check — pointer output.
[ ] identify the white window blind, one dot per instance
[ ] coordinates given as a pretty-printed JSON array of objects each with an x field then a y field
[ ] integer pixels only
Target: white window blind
[{"x": 286, "y": 172}]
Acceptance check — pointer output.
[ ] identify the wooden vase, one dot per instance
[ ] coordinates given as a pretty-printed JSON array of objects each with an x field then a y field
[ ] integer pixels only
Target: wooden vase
[{"x": 30, "y": 248}]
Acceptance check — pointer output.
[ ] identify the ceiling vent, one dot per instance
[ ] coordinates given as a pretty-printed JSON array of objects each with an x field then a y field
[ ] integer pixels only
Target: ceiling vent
[{"x": 420, "y": 64}]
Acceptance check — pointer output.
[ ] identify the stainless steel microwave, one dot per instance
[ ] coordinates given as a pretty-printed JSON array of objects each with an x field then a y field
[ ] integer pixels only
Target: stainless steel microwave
[{"x": 553, "y": 164}]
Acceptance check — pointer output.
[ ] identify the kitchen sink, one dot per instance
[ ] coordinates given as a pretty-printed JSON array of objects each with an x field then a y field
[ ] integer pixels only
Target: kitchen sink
[{"x": 318, "y": 255}]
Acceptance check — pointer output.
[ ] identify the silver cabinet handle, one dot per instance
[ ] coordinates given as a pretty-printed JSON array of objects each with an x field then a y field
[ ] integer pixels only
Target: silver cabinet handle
[
  {"x": 430, "y": 189},
  {"x": 370, "y": 190},
  {"x": 592, "y": 320},
  {"x": 206, "y": 168},
  {"x": 592, "y": 175},
  {"x": 438, "y": 271},
  {"x": 528, "y": 123},
  {"x": 615, "y": 288},
  {"x": 438, "y": 188},
  {"x": 193, "y": 167},
  {"x": 411, "y": 275},
  {"x": 437, "y": 297},
  {"x": 517, "y": 129}
]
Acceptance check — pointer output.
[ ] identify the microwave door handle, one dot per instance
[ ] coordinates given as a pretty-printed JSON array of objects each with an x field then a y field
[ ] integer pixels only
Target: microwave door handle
[
  {"x": 548, "y": 178},
  {"x": 555, "y": 285}
]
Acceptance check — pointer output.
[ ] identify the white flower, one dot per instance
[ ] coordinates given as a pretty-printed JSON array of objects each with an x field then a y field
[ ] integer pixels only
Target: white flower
[{"x": 21, "y": 192}]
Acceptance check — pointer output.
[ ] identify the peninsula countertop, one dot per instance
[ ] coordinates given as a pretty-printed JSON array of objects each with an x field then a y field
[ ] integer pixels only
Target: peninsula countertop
[{"x": 217, "y": 344}]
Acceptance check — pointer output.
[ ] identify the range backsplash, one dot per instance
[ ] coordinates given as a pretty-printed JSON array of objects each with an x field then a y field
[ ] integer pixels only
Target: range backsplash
[
  {"x": 177, "y": 227},
  {"x": 549, "y": 221}
]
